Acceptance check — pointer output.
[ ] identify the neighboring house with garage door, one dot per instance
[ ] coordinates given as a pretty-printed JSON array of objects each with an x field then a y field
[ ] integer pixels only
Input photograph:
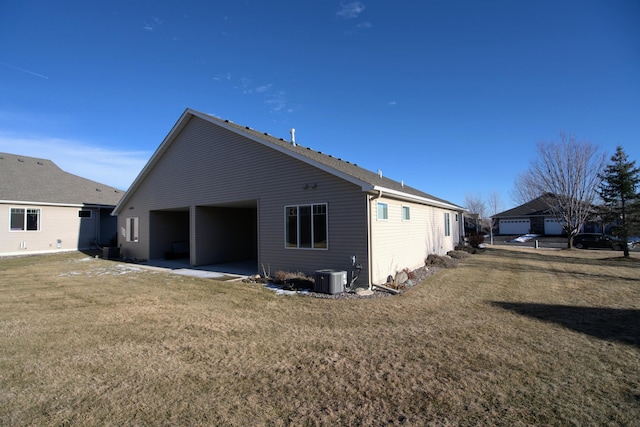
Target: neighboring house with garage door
[
  {"x": 222, "y": 192},
  {"x": 534, "y": 217},
  {"x": 45, "y": 209}
]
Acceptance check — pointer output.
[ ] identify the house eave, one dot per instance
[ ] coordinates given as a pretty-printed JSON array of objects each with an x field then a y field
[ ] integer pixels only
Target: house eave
[
  {"x": 177, "y": 127},
  {"x": 28, "y": 203},
  {"x": 188, "y": 113},
  {"x": 417, "y": 199}
]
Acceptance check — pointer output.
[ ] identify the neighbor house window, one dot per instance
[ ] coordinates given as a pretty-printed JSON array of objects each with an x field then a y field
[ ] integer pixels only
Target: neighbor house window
[
  {"x": 25, "y": 219},
  {"x": 406, "y": 213},
  {"x": 447, "y": 224},
  {"x": 383, "y": 211},
  {"x": 131, "y": 229},
  {"x": 306, "y": 226},
  {"x": 84, "y": 214}
]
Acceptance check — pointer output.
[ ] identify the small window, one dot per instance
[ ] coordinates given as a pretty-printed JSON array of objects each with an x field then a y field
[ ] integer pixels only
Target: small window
[
  {"x": 131, "y": 232},
  {"x": 25, "y": 219},
  {"x": 383, "y": 211},
  {"x": 84, "y": 214},
  {"x": 447, "y": 224},
  {"x": 406, "y": 213}
]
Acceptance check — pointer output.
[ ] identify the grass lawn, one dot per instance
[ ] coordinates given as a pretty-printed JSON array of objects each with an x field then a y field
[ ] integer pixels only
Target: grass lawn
[{"x": 510, "y": 337}]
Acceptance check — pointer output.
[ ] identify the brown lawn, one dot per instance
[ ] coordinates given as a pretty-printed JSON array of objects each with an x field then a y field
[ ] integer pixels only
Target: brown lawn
[{"x": 510, "y": 337}]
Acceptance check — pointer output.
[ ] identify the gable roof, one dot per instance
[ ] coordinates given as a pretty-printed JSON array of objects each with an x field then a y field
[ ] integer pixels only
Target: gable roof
[
  {"x": 26, "y": 179},
  {"x": 535, "y": 207},
  {"x": 367, "y": 180}
]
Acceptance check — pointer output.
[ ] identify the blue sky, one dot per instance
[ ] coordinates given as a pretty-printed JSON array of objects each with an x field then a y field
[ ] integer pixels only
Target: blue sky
[{"x": 448, "y": 96}]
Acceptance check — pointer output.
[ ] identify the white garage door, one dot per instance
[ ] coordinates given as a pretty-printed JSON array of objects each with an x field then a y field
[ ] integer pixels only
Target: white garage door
[
  {"x": 552, "y": 227},
  {"x": 514, "y": 226}
]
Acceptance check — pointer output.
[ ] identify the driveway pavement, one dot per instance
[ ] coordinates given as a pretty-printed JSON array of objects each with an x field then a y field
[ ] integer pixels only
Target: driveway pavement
[{"x": 549, "y": 242}]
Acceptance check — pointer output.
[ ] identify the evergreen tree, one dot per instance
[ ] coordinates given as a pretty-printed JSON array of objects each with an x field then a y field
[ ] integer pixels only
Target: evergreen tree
[{"x": 620, "y": 180}]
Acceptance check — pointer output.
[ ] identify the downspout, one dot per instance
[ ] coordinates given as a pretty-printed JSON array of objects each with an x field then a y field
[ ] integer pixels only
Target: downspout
[
  {"x": 370, "y": 237},
  {"x": 97, "y": 227},
  {"x": 461, "y": 229}
]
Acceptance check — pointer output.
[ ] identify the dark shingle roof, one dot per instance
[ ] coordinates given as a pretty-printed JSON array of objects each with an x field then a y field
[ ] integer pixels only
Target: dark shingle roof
[
  {"x": 370, "y": 181},
  {"x": 536, "y": 207},
  {"x": 337, "y": 164},
  {"x": 30, "y": 179}
]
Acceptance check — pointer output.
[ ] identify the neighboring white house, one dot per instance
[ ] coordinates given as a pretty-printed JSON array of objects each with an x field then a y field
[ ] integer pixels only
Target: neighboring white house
[
  {"x": 45, "y": 209},
  {"x": 222, "y": 192}
]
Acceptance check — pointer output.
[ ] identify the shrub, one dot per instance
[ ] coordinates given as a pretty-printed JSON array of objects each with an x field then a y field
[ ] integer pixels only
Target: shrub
[
  {"x": 476, "y": 241},
  {"x": 293, "y": 280},
  {"x": 440, "y": 261},
  {"x": 458, "y": 254}
]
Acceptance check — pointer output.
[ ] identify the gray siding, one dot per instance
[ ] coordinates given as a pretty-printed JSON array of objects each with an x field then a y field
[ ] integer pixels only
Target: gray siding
[{"x": 209, "y": 167}]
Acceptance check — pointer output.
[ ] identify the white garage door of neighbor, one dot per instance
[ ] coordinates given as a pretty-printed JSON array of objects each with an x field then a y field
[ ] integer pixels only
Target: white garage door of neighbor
[
  {"x": 552, "y": 227},
  {"x": 514, "y": 226}
]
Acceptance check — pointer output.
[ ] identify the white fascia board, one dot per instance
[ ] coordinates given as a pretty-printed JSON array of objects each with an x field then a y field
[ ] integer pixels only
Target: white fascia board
[
  {"x": 21, "y": 202},
  {"x": 422, "y": 200}
]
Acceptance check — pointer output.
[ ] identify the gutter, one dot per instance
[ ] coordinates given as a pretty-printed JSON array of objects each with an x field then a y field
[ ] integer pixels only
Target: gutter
[
  {"x": 423, "y": 200},
  {"x": 18, "y": 202},
  {"x": 370, "y": 199}
]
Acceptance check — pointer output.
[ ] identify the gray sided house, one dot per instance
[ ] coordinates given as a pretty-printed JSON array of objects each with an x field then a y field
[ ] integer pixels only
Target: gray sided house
[
  {"x": 45, "y": 209},
  {"x": 217, "y": 192}
]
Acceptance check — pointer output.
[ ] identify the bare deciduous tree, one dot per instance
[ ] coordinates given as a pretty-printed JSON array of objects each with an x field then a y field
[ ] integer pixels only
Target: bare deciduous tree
[
  {"x": 476, "y": 208},
  {"x": 495, "y": 206},
  {"x": 475, "y": 205},
  {"x": 566, "y": 174}
]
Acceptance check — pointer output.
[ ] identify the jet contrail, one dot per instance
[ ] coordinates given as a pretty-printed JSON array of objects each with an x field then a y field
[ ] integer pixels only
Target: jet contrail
[{"x": 22, "y": 69}]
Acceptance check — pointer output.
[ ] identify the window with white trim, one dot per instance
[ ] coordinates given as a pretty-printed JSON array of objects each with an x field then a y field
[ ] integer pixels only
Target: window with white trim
[
  {"x": 447, "y": 224},
  {"x": 25, "y": 219},
  {"x": 406, "y": 213},
  {"x": 383, "y": 211},
  {"x": 131, "y": 229},
  {"x": 306, "y": 226}
]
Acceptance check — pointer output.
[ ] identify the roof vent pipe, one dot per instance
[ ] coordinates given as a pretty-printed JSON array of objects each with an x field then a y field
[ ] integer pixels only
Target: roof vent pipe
[
  {"x": 293, "y": 137},
  {"x": 380, "y": 173}
]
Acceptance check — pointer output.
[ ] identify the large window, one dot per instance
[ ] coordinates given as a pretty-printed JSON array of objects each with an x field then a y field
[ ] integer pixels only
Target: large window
[
  {"x": 25, "y": 219},
  {"x": 131, "y": 230},
  {"x": 447, "y": 224},
  {"x": 306, "y": 226},
  {"x": 383, "y": 211}
]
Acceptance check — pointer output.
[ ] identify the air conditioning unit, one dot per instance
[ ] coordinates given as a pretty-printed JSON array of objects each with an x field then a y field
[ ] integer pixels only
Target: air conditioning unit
[
  {"x": 330, "y": 281},
  {"x": 110, "y": 253}
]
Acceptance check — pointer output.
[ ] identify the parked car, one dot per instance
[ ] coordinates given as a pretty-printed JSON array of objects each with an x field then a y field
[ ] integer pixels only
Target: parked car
[{"x": 603, "y": 241}]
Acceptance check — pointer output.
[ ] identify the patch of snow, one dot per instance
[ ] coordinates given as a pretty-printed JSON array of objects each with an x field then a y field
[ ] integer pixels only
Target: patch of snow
[
  {"x": 279, "y": 290},
  {"x": 70, "y": 273},
  {"x": 525, "y": 238}
]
